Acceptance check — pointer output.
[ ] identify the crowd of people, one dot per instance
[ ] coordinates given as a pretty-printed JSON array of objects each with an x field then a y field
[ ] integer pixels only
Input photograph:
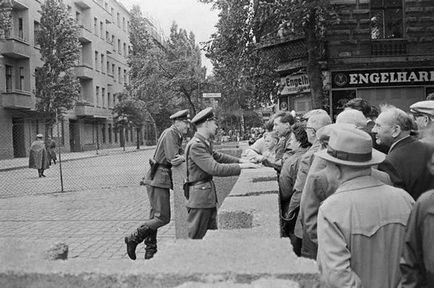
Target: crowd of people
[
  {"x": 357, "y": 195},
  {"x": 347, "y": 192}
]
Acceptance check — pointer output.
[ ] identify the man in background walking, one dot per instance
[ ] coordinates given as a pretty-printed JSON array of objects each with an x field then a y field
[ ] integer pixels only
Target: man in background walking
[{"x": 38, "y": 158}]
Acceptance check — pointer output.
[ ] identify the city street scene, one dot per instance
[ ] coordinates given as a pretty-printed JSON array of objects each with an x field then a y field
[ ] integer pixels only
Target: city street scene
[{"x": 216, "y": 143}]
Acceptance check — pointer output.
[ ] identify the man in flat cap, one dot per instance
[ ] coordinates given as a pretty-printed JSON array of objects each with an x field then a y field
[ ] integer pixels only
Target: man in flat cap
[
  {"x": 361, "y": 226},
  {"x": 158, "y": 181},
  {"x": 423, "y": 113},
  {"x": 202, "y": 164},
  {"x": 38, "y": 158}
]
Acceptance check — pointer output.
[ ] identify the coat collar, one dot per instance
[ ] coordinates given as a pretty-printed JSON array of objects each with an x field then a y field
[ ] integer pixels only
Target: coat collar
[
  {"x": 401, "y": 142},
  {"x": 203, "y": 139},
  {"x": 359, "y": 183}
]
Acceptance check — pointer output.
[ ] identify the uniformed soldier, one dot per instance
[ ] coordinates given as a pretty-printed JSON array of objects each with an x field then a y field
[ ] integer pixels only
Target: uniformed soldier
[
  {"x": 158, "y": 181},
  {"x": 202, "y": 164}
]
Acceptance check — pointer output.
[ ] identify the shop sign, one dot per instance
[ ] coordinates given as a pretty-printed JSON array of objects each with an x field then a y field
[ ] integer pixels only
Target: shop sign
[
  {"x": 390, "y": 77},
  {"x": 294, "y": 84}
]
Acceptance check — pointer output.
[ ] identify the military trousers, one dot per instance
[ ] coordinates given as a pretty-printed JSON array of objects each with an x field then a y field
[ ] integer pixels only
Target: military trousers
[
  {"x": 159, "y": 198},
  {"x": 200, "y": 220}
]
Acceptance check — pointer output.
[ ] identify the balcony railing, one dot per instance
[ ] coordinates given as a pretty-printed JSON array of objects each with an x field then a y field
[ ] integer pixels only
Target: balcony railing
[
  {"x": 18, "y": 99},
  {"x": 389, "y": 47}
]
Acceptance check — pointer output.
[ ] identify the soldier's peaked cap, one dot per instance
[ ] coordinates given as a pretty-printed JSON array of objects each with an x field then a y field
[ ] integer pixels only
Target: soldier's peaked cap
[
  {"x": 204, "y": 115},
  {"x": 423, "y": 107},
  {"x": 180, "y": 115}
]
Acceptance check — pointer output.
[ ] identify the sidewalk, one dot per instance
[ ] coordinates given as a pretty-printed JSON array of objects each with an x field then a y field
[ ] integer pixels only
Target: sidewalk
[{"x": 20, "y": 163}]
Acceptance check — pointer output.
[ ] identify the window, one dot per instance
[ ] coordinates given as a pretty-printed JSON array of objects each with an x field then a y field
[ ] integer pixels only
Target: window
[
  {"x": 96, "y": 60},
  {"x": 113, "y": 42},
  {"x": 119, "y": 47},
  {"x": 119, "y": 75},
  {"x": 21, "y": 83},
  {"x": 95, "y": 26},
  {"x": 128, "y": 26},
  {"x": 103, "y": 97},
  {"x": 123, "y": 24},
  {"x": 125, "y": 76},
  {"x": 113, "y": 69},
  {"x": 102, "y": 63},
  {"x": 109, "y": 100},
  {"x": 107, "y": 36},
  {"x": 8, "y": 78},
  {"x": 125, "y": 50},
  {"x": 108, "y": 67},
  {"x": 112, "y": 11},
  {"x": 106, "y": 6},
  {"x": 20, "y": 28},
  {"x": 101, "y": 29},
  {"x": 118, "y": 19},
  {"x": 386, "y": 19},
  {"x": 36, "y": 28},
  {"x": 97, "y": 95}
]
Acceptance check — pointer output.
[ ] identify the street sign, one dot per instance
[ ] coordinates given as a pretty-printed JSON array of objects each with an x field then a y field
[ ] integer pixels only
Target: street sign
[{"x": 212, "y": 95}]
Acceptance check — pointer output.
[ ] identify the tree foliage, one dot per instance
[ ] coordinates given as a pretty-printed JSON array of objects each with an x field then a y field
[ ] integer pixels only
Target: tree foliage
[
  {"x": 165, "y": 75},
  {"x": 57, "y": 88}
]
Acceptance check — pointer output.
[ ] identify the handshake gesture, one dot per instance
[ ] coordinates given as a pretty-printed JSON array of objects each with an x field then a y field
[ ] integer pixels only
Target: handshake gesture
[{"x": 248, "y": 164}]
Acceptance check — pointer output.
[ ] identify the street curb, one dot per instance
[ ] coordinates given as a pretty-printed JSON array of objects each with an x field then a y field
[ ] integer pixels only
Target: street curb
[{"x": 87, "y": 157}]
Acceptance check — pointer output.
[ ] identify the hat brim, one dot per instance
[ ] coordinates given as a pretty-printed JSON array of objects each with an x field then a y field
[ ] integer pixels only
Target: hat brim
[{"x": 377, "y": 158}]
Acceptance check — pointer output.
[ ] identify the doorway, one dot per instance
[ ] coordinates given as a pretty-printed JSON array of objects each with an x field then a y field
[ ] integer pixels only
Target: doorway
[{"x": 18, "y": 137}]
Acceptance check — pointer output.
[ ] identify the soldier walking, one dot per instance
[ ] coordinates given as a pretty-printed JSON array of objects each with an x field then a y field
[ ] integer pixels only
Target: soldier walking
[
  {"x": 202, "y": 164},
  {"x": 158, "y": 181}
]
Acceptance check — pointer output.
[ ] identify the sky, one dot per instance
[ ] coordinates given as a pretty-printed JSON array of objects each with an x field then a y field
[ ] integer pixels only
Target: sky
[{"x": 190, "y": 15}]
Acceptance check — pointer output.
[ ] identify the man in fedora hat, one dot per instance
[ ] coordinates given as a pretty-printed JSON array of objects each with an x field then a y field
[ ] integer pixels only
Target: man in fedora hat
[
  {"x": 39, "y": 158},
  {"x": 158, "y": 181},
  {"x": 361, "y": 226}
]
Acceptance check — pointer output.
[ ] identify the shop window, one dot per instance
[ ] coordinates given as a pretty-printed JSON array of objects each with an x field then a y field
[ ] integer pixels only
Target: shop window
[{"x": 386, "y": 19}]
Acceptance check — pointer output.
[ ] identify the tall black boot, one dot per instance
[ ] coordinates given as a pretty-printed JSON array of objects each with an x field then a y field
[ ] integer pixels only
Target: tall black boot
[
  {"x": 39, "y": 173},
  {"x": 151, "y": 245},
  {"x": 135, "y": 238}
]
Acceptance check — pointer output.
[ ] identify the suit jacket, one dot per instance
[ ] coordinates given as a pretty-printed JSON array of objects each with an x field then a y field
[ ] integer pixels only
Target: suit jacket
[
  {"x": 406, "y": 164},
  {"x": 417, "y": 264},
  {"x": 168, "y": 147},
  {"x": 202, "y": 164},
  {"x": 361, "y": 230}
]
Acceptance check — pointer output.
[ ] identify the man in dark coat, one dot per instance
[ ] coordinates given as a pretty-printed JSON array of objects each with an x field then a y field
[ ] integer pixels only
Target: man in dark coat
[
  {"x": 202, "y": 164},
  {"x": 38, "y": 158},
  {"x": 406, "y": 161},
  {"x": 158, "y": 181}
]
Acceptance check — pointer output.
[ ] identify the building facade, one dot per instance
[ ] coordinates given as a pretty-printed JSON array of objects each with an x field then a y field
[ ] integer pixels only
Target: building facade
[
  {"x": 382, "y": 51},
  {"x": 102, "y": 71}
]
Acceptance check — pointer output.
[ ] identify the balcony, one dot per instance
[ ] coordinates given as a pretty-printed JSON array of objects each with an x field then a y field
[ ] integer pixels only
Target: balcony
[
  {"x": 388, "y": 47},
  {"x": 85, "y": 35},
  {"x": 16, "y": 48},
  {"x": 88, "y": 111},
  {"x": 82, "y": 4},
  {"x": 84, "y": 72},
  {"x": 17, "y": 99}
]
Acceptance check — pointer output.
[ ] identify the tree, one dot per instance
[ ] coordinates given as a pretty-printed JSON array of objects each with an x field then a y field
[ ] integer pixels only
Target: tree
[
  {"x": 57, "y": 88},
  {"x": 247, "y": 79},
  {"x": 130, "y": 111},
  {"x": 310, "y": 19}
]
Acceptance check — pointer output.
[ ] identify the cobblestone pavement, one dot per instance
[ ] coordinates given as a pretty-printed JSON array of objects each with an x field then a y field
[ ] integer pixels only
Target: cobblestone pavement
[{"x": 103, "y": 204}]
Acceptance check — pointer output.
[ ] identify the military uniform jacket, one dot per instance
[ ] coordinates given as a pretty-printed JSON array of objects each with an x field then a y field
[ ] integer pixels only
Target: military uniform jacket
[
  {"x": 202, "y": 164},
  {"x": 168, "y": 147}
]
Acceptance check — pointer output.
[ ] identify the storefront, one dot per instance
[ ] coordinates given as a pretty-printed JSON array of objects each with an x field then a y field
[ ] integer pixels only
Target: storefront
[
  {"x": 398, "y": 87},
  {"x": 295, "y": 93}
]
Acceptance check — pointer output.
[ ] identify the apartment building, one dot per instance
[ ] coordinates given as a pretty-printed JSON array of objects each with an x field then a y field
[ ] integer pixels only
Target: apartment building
[
  {"x": 381, "y": 50},
  {"x": 102, "y": 71}
]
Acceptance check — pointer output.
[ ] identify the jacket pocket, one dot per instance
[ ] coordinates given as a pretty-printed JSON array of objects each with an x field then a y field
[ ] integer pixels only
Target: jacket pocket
[{"x": 202, "y": 196}]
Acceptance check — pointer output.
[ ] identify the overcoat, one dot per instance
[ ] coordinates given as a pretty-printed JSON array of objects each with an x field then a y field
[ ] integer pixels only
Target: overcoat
[
  {"x": 361, "y": 230},
  {"x": 38, "y": 158},
  {"x": 406, "y": 164}
]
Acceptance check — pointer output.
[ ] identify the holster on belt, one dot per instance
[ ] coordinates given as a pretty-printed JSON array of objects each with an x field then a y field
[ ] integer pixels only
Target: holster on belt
[
  {"x": 154, "y": 167},
  {"x": 186, "y": 185}
]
